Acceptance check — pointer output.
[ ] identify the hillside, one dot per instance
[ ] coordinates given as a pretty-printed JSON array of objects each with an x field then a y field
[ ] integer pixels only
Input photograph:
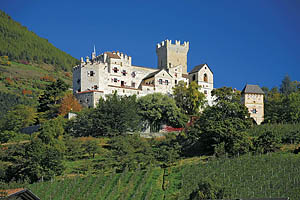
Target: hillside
[
  {"x": 28, "y": 63},
  {"x": 22, "y": 45},
  {"x": 272, "y": 175},
  {"x": 23, "y": 83}
]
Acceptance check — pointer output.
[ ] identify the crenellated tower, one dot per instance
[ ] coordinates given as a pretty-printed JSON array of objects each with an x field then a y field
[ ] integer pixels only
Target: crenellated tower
[{"x": 171, "y": 55}]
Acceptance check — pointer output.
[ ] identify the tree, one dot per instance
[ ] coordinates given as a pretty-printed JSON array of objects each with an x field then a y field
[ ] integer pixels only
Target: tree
[
  {"x": 50, "y": 99},
  {"x": 69, "y": 104},
  {"x": 166, "y": 150},
  {"x": 188, "y": 99},
  {"x": 158, "y": 109},
  {"x": 36, "y": 161},
  {"x": 91, "y": 147},
  {"x": 274, "y": 107},
  {"x": 293, "y": 107},
  {"x": 224, "y": 122},
  {"x": 130, "y": 151},
  {"x": 51, "y": 133},
  {"x": 287, "y": 86},
  {"x": 207, "y": 189},
  {"x": 5, "y": 136},
  {"x": 267, "y": 142},
  {"x": 20, "y": 117},
  {"x": 114, "y": 116}
]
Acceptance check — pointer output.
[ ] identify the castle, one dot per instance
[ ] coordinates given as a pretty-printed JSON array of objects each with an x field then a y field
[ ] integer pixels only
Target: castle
[{"x": 113, "y": 72}]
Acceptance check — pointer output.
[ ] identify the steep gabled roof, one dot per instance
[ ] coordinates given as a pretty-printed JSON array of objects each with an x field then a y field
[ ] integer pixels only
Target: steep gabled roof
[
  {"x": 198, "y": 68},
  {"x": 252, "y": 89},
  {"x": 19, "y": 193},
  {"x": 154, "y": 73}
]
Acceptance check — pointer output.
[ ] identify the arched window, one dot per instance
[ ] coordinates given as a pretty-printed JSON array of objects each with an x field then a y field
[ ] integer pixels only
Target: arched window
[{"x": 205, "y": 78}]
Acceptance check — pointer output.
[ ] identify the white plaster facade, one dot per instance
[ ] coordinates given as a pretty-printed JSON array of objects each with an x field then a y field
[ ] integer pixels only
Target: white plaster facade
[
  {"x": 253, "y": 99},
  {"x": 113, "y": 71}
]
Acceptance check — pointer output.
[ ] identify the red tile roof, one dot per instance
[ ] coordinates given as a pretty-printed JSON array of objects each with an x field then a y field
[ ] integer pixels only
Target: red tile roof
[
  {"x": 88, "y": 91},
  {"x": 112, "y": 55}
]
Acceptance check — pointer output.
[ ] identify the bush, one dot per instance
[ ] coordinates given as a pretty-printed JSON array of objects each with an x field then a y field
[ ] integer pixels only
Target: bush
[
  {"x": 207, "y": 189},
  {"x": 5, "y": 136},
  {"x": 267, "y": 142}
]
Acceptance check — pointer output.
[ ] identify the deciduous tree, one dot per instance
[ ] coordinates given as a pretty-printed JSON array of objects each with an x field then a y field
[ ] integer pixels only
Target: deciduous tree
[
  {"x": 158, "y": 109},
  {"x": 188, "y": 99}
]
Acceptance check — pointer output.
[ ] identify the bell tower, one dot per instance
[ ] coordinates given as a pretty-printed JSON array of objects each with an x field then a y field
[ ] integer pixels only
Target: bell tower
[{"x": 171, "y": 55}]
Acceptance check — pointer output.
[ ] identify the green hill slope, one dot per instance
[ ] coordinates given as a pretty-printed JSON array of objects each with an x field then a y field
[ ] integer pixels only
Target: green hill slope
[
  {"x": 262, "y": 176},
  {"x": 20, "y": 44},
  {"x": 32, "y": 63},
  {"x": 22, "y": 84}
]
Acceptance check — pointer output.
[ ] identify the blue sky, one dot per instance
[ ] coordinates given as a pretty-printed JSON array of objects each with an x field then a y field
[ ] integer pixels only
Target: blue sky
[{"x": 254, "y": 41}]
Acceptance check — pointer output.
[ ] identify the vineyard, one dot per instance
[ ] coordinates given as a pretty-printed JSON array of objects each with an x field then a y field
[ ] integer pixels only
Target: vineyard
[{"x": 272, "y": 175}]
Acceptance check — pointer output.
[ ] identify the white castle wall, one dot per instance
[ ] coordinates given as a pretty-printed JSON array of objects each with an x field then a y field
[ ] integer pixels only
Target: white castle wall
[{"x": 113, "y": 72}]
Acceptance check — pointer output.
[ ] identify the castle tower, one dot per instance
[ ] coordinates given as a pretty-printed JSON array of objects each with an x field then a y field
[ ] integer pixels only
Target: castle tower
[
  {"x": 171, "y": 55},
  {"x": 253, "y": 99}
]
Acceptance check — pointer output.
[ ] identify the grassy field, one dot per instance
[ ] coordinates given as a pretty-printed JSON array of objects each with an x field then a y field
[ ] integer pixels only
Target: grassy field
[{"x": 272, "y": 175}]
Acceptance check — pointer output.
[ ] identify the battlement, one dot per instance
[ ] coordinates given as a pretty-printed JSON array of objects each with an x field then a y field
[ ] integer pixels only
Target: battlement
[{"x": 167, "y": 43}]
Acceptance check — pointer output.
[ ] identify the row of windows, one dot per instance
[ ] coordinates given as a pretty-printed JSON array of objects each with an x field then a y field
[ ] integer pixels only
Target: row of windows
[
  {"x": 124, "y": 72},
  {"x": 166, "y": 82},
  {"x": 205, "y": 78}
]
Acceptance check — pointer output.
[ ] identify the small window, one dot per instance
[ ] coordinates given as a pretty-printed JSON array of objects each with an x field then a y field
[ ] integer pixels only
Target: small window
[
  {"x": 115, "y": 80},
  {"x": 95, "y": 87},
  {"x": 194, "y": 77},
  {"x": 175, "y": 81},
  {"x": 124, "y": 72},
  {"x": 254, "y": 111},
  {"x": 78, "y": 81},
  {"x": 205, "y": 78},
  {"x": 133, "y": 74},
  {"x": 133, "y": 84},
  {"x": 115, "y": 70},
  {"x": 92, "y": 73},
  {"x": 205, "y": 91},
  {"x": 160, "y": 81},
  {"x": 175, "y": 74},
  {"x": 167, "y": 82}
]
